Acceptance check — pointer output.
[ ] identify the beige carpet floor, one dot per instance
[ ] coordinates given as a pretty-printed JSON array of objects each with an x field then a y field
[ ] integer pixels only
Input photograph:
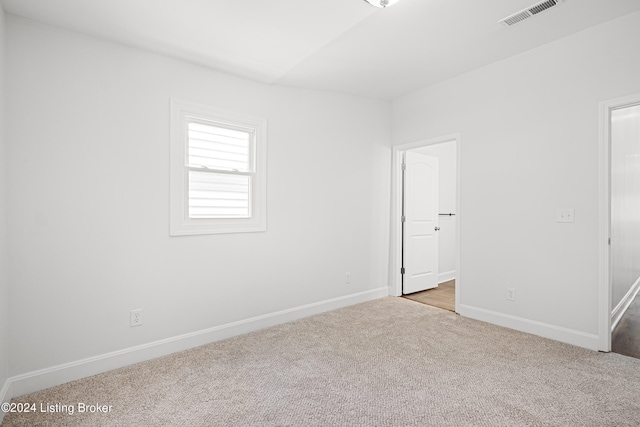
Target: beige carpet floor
[{"x": 389, "y": 362}]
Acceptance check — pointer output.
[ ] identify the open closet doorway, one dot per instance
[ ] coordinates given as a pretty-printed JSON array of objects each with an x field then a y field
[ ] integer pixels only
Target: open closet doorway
[
  {"x": 425, "y": 253},
  {"x": 620, "y": 226}
]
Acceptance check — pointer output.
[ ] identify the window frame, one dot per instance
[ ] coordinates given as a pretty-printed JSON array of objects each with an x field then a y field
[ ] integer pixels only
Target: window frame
[{"x": 182, "y": 112}]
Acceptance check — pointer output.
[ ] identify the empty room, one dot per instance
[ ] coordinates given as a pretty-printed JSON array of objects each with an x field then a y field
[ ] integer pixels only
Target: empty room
[{"x": 241, "y": 212}]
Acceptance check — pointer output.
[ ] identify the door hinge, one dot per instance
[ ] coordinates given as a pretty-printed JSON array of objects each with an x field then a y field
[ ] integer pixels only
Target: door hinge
[
  {"x": 404, "y": 166},
  {"x": 402, "y": 270},
  {"x": 403, "y": 219},
  {"x": 609, "y": 241}
]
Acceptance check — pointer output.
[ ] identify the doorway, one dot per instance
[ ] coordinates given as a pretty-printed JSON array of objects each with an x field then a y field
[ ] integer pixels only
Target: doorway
[
  {"x": 619, "y": 214},
  {"x": 445, "y": 263}
]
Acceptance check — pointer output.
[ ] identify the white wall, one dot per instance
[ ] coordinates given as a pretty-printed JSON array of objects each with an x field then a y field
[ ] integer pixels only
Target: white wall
[
  {"x": 4, "y": 277},
  {"x": 625, "y": 201},
  {"x": 88, "y": 145},
  {"x": 446, "y": 154},
  {"x": 529, "y": 129}
]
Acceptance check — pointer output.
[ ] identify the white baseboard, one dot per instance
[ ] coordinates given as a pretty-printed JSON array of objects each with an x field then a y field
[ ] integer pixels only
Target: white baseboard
[
  {"x": 5, "y": 396},
  {"x": 56, "y": 375},
  {"x": 569, "y": 336},
  {"x": 622, "y": 307},
  {"x": 446, "y": 276}
]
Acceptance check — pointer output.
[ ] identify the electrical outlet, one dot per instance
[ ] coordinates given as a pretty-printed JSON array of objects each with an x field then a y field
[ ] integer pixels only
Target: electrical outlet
[
  {"x": 511, "y": 294},
  {"x": 136, "y": 317},
  {"x": 347, "y": 278}
]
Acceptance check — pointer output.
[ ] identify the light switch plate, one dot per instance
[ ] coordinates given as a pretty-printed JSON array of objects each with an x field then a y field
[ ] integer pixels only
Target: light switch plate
[{"x": 565, "y": 215}]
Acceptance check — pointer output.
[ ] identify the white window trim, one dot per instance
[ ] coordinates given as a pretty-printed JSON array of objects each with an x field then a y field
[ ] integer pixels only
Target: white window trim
[{"x": 179, "y": 222}]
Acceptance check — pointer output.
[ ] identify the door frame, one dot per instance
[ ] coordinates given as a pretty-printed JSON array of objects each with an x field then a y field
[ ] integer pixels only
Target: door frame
[
  {"x": 395, "y": 277},
  {"x": 605, "y": 321}
]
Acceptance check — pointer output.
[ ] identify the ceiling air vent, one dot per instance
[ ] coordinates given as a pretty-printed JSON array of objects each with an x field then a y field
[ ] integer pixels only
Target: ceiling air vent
[{"x": 529, "y": 12}]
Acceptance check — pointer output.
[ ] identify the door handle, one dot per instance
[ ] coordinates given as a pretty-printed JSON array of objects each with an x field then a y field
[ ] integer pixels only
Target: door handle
[{"x": 437, "y": 228}]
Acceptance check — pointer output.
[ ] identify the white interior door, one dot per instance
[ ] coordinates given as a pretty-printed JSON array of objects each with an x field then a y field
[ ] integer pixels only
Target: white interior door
[{"x": 420, "y": 239}]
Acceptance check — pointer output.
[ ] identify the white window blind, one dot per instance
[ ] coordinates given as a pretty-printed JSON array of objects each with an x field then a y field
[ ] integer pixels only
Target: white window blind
[
  {"x": 213, "y": 195},
  {"x": 220, "y": 148},
  {"x": 220, "y": 171}
]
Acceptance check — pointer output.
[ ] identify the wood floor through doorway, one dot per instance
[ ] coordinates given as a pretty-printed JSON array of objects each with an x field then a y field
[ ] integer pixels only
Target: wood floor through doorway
[{"x": 444, "y": 296}]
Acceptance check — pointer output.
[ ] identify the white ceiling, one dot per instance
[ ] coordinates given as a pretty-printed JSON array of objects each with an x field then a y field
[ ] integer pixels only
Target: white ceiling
[{"x": 344, "y": 46}]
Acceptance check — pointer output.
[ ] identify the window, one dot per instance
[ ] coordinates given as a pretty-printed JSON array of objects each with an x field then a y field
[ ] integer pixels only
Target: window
[{"x": 218, "y": 171}]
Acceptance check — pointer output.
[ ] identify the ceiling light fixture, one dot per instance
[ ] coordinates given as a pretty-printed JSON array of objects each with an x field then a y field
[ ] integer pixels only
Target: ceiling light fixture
[{"x": 381, "y": 3}]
